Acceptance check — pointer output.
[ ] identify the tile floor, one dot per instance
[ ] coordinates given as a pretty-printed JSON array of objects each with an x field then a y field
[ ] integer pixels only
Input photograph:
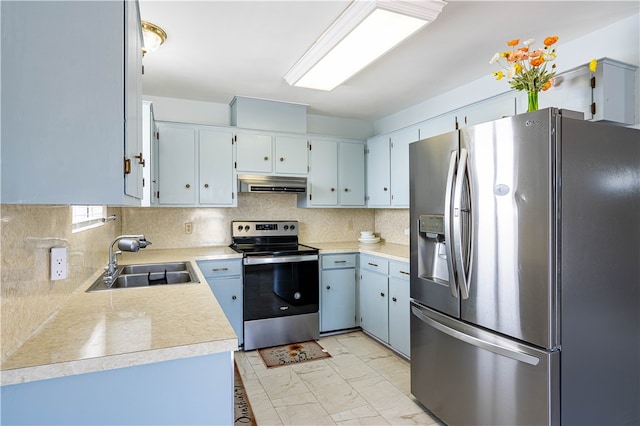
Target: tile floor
[{"x": 362, "y": 383}]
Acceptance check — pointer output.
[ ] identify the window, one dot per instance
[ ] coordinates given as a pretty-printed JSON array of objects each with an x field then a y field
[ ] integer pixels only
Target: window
[{"x": 87, "y": 217}]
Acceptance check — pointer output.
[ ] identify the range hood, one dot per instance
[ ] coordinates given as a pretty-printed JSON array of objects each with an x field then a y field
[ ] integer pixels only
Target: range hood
[{"x": 272, "y": 184}]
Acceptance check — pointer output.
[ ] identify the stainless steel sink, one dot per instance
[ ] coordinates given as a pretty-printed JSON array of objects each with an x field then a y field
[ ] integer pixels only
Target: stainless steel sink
[{"x": 147, "y": 275}]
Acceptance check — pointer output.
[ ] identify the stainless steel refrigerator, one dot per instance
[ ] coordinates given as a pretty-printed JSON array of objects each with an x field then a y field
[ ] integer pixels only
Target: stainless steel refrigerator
[{"x": 525, "y": 272}]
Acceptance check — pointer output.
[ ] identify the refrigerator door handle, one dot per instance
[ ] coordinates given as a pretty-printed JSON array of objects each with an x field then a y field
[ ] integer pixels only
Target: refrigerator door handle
[
  {"x": 453, "y": 285},
  {"x": 483, "y": 344},
  {"x": 458, "y": 216}
]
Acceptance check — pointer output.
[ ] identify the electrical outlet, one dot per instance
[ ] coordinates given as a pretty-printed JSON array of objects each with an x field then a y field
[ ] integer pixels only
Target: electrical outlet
[
  {"x": 58, "y": 263},
  {"x": 188, "y": 227},
  {"x": 407, "y": 231}
]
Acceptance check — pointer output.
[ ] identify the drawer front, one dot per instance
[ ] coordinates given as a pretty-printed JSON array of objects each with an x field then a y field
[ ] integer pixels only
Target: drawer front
[
  {"x": 374, "y": 263},
  {"x": 399, "y": 270},
  {"x": 220, "y": 268},
  {"x": 336, "y": 261}
]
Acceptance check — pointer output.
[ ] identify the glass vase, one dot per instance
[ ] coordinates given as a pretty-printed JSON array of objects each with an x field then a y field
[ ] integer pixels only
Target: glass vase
[{"x": 532, "y": 100}]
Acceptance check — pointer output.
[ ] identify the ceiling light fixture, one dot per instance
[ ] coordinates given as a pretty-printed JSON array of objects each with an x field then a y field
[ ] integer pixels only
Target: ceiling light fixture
[
  {"x": 365, "y": 31},
  {"x": 153, "y": 36}
]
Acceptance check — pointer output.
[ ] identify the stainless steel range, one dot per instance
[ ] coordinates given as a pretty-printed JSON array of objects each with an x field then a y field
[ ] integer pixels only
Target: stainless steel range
[{"x": 281, "y": 283}]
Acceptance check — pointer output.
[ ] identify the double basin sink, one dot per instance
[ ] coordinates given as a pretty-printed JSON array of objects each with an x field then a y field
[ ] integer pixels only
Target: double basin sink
[{"x": 146, "y": 275}]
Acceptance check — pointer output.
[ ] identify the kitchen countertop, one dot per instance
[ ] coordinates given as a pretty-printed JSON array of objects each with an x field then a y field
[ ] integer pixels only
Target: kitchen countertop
[
  {"x": 391, "y": 251},
  {"x": 111, "y": 329}
]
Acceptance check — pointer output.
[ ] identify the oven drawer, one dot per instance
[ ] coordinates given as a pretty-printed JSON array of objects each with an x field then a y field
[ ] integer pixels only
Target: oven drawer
[
  {"x": 338, "y": 261},
  {"x": 220, "y": 268}
]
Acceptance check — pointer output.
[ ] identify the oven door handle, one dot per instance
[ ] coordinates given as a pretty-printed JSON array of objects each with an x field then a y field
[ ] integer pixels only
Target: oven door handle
[{"x": 260, "y": 260}]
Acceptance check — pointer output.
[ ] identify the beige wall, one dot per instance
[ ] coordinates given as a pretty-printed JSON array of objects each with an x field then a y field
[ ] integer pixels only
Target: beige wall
[{"x": 29, "y": 297}]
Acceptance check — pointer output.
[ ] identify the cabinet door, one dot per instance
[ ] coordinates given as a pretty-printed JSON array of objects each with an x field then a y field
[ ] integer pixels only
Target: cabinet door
[
  {"x": 374, "y": 308},
  {"x": 351, "y": 174},
  {"x": 378, "y": 173},
  {"x": 291, "y": 155},
  {"x": 400, "y": 166},
  {"x": 254, "y": 153},
  {"x": 217, "y": 179},
  {"x": 323, "y": 173},
  {"x": 176, "y": 165},
  {"x": 491, "y": 109},
  {"x": 228, "y": 291},
  {"x": 133, "y": 181},
  {"x": 571, "y": 90},
  {"x": 437, "y": 125},
  {"x": 338, "y": 299},
  {"x": 399, "y": 314}
]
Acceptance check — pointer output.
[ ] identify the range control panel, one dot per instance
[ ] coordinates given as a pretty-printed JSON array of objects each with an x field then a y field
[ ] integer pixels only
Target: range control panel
[{"x": 258, "y": 228}]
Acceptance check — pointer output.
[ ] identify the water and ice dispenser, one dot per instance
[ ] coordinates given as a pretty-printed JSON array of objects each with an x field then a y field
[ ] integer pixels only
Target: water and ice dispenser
[{"x": 432, "y": 264}]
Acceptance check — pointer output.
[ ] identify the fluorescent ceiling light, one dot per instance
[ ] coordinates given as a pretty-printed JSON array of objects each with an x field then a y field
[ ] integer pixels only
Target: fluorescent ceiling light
[{"x": 365, "y": 31}]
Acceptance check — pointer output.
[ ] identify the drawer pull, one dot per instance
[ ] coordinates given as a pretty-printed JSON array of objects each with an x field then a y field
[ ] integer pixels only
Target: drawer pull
[
  {"x": 404, "y": 272},
  {"x": 220, "y": 269},
  {"x": 340, "y": 261},
  {"x": 394, "y": 299},
  {"x": 372, "y": 264},
  {"x": 382, "y": 294},
  {"x": 328, "y": 287},
  {"x": 234, "y": 297}
]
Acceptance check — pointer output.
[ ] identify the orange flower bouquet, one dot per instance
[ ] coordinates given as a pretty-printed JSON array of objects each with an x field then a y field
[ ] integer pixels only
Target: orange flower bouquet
[{"x": 527, "y": 67}]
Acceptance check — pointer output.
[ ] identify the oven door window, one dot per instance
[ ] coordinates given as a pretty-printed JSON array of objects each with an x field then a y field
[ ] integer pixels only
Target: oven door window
[{"x": 280, "y": 289}]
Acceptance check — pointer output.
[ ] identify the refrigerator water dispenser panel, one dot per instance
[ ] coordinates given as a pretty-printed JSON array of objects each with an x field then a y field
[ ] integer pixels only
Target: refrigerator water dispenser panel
[
  {"x": 432, "y": 224},
  {"x": 433, "y": 255}
]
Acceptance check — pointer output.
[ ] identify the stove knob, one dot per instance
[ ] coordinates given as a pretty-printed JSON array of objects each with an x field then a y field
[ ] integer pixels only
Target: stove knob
[
  {"x": 297, "y": 295},
  {"x": 247, "y": 227},
  {"x": 240, "y": 228},
  {"x": 286, "y": 227},
  {"x": 293, "y": 227}
]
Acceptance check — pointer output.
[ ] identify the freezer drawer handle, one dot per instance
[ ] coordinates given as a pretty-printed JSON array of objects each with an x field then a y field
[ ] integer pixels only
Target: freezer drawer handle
[{"x": 492, "y": 347}]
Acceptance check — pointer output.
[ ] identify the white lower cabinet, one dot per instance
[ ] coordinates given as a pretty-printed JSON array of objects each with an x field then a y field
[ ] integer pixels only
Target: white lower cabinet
[
  {"x": 225, "y": 279},
  {"x": 384, "y": 301},
  {"x": 337, "y": 291}
]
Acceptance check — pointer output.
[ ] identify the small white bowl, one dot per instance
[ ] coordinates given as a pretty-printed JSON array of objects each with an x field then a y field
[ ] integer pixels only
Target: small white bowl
[{"x": 366, "y": 234}]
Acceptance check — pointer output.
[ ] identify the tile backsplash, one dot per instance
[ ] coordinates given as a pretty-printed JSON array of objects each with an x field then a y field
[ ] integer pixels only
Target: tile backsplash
[{"x": 29, "y": 297}]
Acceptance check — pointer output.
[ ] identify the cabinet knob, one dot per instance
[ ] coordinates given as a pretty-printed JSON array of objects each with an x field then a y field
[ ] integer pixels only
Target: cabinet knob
[
  {"x": 234, "y": 297},
  {"x": 346, "y": 190},
  {"x": 187, "y": 186},
  {"x": 281, "y": 158},
  {"x": 382, "y": 294},
  {"x": 386, "y": 189},
  {"x": 206, "y": 185},
  {"x": 266, "y": 158},
  {"x": 394, "y": 299},
  {"x": 328, "y": 287},
  {"x": 333, "y": 189}
]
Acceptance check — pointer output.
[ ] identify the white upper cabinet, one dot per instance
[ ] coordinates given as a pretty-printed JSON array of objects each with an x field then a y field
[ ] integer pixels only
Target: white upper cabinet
[
  {"x": 217, "y": 183},
  {"x": 71, "y": 104},
  {"x": 606, "y": 95},
  {"x": 254, "y": 153},
  {"x": 351, "y": 178},
  {"x": 400, "y": 141},
  {"x": 336, "y": 174},
  {"x": 291, "y": 155},
  {"x": 378, "y": 172},
  {"x": 388, "y": 168},
  {"x": 322, "y": 183},
  {"x": 195, "y": 166}
]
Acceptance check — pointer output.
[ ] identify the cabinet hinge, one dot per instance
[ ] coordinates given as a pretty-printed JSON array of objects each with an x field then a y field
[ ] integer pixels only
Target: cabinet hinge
[
  {"x": 310, "y": 197},
  {"x": 143, "y": 183},
  {"x": 127, "y": 166},
  {"x": 309, "y": 147},
  {"x": 366, "y": 151},
  {"x": 233, "y": 195},
  {"x": 235, "y": 164},
  {"x": 235, "y": 138},
  {"x": 593, "y": 108},
  {"x": 593, "y": 82},
  {"x": 307, "y": 169},
  {"x": 158, "y": 135},
  {"x": 158, "y": 194},
  {"x": 142, "y": 69}
]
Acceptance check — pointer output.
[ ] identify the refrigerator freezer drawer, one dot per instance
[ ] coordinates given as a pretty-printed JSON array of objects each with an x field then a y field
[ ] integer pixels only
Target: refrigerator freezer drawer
[{"x": 465, "y": 375}]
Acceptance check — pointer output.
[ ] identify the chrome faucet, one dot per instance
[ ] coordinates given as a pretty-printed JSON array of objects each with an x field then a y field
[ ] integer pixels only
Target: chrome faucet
[{"x": 131, "y": 243}]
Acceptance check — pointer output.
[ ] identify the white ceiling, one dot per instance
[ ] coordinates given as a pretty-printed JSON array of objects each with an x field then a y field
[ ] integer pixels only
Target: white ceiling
[{"x": 219, "y": 49}]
